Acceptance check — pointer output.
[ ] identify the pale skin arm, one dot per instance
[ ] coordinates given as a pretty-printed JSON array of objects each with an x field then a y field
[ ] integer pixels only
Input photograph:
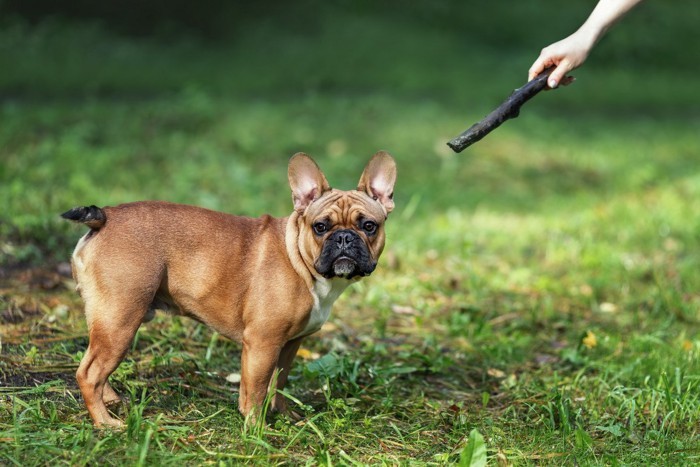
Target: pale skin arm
[{"x": 570, "y": 52}]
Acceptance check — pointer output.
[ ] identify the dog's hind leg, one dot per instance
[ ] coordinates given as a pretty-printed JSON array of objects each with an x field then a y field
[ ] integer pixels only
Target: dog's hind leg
[
  {"x": 109, "y": 395},
  {"x": 110, "y": 339}
]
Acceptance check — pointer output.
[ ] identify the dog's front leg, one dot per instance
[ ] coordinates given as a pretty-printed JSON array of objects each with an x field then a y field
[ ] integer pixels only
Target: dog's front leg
[
  {"x": 284, "y": 365},
  {"x": 258, "y": 361}
]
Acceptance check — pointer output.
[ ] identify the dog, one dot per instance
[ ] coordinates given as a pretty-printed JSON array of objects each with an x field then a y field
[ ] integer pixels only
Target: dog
[{"x": 265, "y": 282}]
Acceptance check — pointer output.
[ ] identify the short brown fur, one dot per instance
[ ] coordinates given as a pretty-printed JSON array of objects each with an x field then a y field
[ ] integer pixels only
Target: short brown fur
[{"x": 251, "y": 279}]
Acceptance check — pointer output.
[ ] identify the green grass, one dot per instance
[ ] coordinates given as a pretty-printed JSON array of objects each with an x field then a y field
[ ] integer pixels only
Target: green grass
[{"x": 580, "y": 219}]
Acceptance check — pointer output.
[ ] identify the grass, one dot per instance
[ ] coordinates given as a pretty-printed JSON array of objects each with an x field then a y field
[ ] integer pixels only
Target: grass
[{"x": 540, "y": 288}]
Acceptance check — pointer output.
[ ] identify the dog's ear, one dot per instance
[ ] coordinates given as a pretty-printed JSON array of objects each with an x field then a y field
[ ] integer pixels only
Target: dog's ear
[
  {"x": 306, "y": 181},
  {"x": 378, "y": 179}
]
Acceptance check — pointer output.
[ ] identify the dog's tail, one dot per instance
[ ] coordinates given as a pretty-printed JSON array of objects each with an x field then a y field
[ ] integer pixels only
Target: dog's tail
[{"x": 92, "y": 216}]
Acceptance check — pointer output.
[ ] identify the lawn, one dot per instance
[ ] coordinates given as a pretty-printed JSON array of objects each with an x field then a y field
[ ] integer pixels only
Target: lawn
[{"x": 539, "y": 293}]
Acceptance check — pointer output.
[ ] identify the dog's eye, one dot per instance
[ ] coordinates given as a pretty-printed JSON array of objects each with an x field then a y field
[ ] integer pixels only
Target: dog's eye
[
  {"x": 369, "y": 226},
  {"x": 320, "y": 228}
]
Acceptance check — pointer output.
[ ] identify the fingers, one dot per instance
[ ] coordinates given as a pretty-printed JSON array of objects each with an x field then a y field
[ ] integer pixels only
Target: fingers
[
  {"x": 566, "y": 55},
  {"x": 538, "y": 67},
  {"x": 558, "y": 74}
]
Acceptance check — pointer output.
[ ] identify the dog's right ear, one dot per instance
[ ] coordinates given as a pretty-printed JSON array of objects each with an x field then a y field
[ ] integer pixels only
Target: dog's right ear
[{"x": 306, "y": 181}]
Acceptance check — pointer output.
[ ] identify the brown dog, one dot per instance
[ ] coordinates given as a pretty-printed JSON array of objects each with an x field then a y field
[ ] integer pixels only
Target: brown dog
[{"x": 265, "y": 282}]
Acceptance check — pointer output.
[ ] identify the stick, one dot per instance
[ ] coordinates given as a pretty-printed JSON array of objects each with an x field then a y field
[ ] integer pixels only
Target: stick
[{"x": 510, "y": 108}]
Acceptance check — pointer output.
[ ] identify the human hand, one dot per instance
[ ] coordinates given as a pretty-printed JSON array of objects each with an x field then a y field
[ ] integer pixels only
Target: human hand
[
  {"x": 571, "y": 52},
  {"x": 565, "y": 55}
]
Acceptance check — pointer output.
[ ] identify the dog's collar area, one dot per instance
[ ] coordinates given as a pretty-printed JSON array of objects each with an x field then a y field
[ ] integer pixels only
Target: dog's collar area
[{"x": 324, "y": 292}]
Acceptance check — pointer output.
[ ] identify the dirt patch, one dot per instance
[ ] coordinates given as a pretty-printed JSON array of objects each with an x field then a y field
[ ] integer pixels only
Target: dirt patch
[
  {"x": 30, "y": 293},
  {"x": 41, "y": 324},
  {"x": 20, "y": 378},
  {"x": 49, "y": 277}
]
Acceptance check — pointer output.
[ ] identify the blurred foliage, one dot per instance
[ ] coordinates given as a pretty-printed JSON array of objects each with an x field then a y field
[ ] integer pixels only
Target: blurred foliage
[
  {"x": 541, "y": 287},
  {"x": 106, "y": 102}
]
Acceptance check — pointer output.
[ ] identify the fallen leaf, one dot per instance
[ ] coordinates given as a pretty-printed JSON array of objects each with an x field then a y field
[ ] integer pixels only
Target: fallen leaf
[
  {"x": 234, "y": 378},
  {"x": 510, "y": 381},
  {"x": 306, "y": 354},
  {"x": 589, "y": 340},
  {"x": 495, "y": 373},
  {"x": 404, "y": 310}
]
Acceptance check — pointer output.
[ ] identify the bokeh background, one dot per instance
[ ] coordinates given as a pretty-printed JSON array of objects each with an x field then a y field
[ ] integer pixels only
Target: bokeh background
[
  {"x": 541, "y": 286},
  {"x": 108, "y": 102}
]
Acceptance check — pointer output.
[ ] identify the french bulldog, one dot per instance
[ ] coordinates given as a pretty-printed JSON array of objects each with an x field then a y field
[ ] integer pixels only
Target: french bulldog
[{"x": 264, "y": 282}]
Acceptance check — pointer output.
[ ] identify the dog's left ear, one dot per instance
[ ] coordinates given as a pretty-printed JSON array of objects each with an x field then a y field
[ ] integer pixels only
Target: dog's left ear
[
  {"x": 378, "y": 179},
  {"x": 306, "y": 181}
]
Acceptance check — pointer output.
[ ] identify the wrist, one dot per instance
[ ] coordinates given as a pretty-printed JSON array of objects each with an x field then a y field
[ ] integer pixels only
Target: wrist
[{"x": 589, "y": 34}]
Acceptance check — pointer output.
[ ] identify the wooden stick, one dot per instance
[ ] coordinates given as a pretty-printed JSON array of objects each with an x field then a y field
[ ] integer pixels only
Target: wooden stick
[{"x": 510, "y": 108}]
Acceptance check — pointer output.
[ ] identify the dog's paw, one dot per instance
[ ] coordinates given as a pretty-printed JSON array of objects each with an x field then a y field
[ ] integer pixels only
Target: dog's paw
[
  {"x": 110, "y": 424},
  {"x": 293, "y": 415}
]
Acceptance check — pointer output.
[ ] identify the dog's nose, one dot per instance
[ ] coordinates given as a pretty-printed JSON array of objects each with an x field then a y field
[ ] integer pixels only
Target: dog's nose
[{"x": 344, "y": 239}]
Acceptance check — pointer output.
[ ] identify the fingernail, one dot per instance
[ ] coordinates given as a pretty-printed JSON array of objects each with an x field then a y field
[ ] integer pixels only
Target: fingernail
[{"x": 552, "y": 83}]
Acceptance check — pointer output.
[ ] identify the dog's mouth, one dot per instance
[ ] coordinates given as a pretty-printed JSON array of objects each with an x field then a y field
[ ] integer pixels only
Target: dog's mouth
[
  {"x": 345, "y": 255},
  {"x": 344, "y": 266}
]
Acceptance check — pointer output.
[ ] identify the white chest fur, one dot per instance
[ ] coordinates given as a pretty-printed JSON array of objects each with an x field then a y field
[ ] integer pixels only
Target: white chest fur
[{"x": 325, "y": 293}]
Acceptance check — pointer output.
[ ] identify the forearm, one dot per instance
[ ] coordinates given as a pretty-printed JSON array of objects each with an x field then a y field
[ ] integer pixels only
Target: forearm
[
  {"x": 605, "y": 14},
  {"x": 570, "y": 52}
]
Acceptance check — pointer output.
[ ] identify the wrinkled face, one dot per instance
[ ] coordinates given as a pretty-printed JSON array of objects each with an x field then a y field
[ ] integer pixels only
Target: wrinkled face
[
  {"x": 344, "y": 233},
  {"x": 341, "y": 233}
]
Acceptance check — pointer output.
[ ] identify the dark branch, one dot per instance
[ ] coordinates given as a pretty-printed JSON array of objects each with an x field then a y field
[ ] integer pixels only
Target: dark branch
[{"x": 510, "y": 108}]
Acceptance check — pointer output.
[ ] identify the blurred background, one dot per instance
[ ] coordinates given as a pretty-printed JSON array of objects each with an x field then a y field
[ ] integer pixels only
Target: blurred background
[
  {"x": 541, "y": 285},
  {"x": 203, "y": 103},
  {"x": 109, "y": 102}
]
